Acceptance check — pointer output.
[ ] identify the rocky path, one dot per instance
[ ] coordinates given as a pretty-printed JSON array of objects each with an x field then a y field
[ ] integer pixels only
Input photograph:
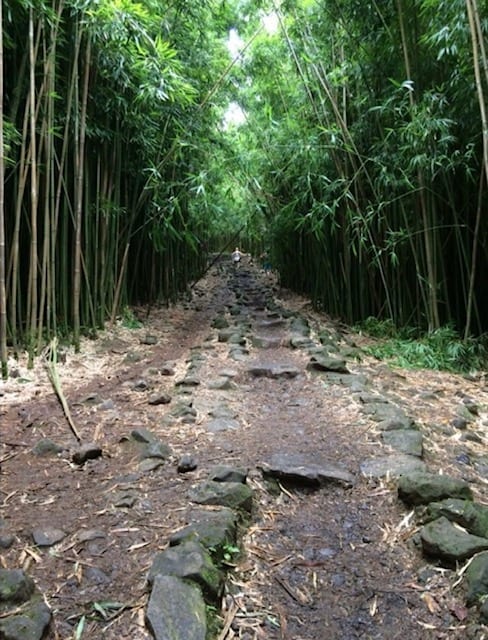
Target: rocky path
[{"x": 246, "y": 386}]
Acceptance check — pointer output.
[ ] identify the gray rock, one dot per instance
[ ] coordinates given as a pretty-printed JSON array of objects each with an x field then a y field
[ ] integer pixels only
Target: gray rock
[
  {"x": 86, "y": 452},
  {"x": 156, "y": 449},
  {"x": 221, "y": 384},
  {"x": 46, "y": 447},
  {"x": 184, "y": 410},
  {"x": 265, "y": 342},
  {"x": 124, "y": 499},
  {"x": 167, "y": 369},
  {"x": 190, "y": 560},
  {"x": 140, "y": 385},
  {"x": 6, "y": 539},
  {"x": 327, "y": 363},
  {"x": 150, "y": 464},
  {"x": 234, "y": 495},
  {"x": 47, "y": 536},
  {"x": 220, "y": 323},
  {"x": 394, "y": 465},
  {"x": 176, "y": 610},
  {"x": 186, "y": 463},
  {"x": 301, "y": 342},
  {"x": 470, "y": 515},
  {"x": 222, "y": 424},
  {"x": 224, "y": 473},
  {"x": 231, "y": 336},
  {"x": 159, "y": 398},
  {"x": 300, "y": 326},
  {"x": 298, "y": 468},
  {"x": 450, "y": 544},
  {"x": 214, "y": 529},
  {"x": 422, "y": 488},
  {"x": 476, "y": 576},
  {"x": 407, "y": 441},
  {"x": 149, "y": 340},
  {"x": 188, "y": 381},
  {"x": 262, "y": 370},
  {"x": 382, "y": 411},
  {"x": 31, "y": 624},
  {"x": 396, "y": 421},
  {"x": 372, "y": 398},
  {"x": 223, "y": 411},
  {"x": 15, "y": 586},
  {"x": 143, "y": 435}
]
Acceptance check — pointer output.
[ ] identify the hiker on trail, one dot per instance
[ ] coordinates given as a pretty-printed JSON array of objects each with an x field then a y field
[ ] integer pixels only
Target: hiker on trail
[
  {"x": 236, "y": 257},
  {"x": 266, "y": 262}
]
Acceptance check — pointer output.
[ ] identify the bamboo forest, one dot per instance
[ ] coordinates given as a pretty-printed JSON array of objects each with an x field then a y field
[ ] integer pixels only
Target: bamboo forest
[{"x": 348, "y": 138}]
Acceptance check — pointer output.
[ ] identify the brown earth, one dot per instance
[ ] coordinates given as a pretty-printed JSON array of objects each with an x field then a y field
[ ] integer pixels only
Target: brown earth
[{"x": 334, "y": 562}]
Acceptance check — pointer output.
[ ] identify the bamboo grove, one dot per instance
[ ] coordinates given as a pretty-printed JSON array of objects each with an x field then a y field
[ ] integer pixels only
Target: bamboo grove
[
  {"x": 371, "y": 118},
  {"x": 362, "y": 162},
  {"x": 102, "y": 104}
]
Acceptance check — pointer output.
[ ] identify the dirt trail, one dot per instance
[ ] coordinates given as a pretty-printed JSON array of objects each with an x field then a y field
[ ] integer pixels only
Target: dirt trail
[{"x": 334, "y": 562}]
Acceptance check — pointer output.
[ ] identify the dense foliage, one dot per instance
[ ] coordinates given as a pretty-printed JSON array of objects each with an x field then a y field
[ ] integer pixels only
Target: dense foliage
[
  {"x": 369, "y": 121},
  {"x": 360, "y": 159}
]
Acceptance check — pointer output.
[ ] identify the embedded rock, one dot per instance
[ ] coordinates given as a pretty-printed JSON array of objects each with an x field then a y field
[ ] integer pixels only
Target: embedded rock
[
  {"x": 422, "y": 488},
  {"x": 189, "y": 560},
  {"x": 298, "y": 468},
  {"x": 234, "y": 495},
  {"x": 449, "y": 543},
  {"x": 176, "y": 610}
]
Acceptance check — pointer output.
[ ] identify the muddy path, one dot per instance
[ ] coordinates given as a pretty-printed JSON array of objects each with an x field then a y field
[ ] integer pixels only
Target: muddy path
[{"x": 228, "y": 378}]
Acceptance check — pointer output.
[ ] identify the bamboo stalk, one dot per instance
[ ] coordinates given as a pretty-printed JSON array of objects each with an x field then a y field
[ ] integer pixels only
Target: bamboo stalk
[{"x": 3, "y": 295}]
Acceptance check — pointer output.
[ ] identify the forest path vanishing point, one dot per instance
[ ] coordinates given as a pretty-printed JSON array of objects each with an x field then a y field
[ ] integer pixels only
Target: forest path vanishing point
[{"x": 248, "y": 376}]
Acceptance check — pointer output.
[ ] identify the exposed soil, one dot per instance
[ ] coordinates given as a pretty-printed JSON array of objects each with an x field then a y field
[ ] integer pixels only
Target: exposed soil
[{"x": 334, "y": 562}]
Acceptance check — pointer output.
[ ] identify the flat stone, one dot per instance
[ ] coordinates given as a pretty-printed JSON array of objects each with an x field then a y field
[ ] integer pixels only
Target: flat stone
[
  {"x": 265, "y": 342},
  {"x": 221, "y": 384},
  {"x": 190, "y": 560},
  {"x": 187, "y": 463},
  {"x": 86, "y": 452},
  {"x": 470, "y": 515},
  {"x": 159, "y": 398},
  {"x": 422, "y": 488},
  {"x": 396, "y": 464},
  {"x": 143, "y": 435},
  {"x": 476, "y": 576},
  {"x": 234, "y": 495},
  {"x": 150, "y": 464},
  {"x": 222, "y": 424},
  {"x": 273, "y": 371},
  {"x": 176, "y": 610},
  {"x": 450, "y": 544},
  {"x": 15, "y": 586},
  {"x": 327, "y": 363},
  {"x": 156, "y": 449},
  {"x": 394, "y": 422},
  {"x": 47, "y": 536},
  {"x": 46, "y": 447},
  {"x": 215, "y": 529},
  {"x": 225, "y": 473},
  {"x": 407, "y": 441},
  {"x": 298, "y": 468},
  {"x": 30, "y": 624}
]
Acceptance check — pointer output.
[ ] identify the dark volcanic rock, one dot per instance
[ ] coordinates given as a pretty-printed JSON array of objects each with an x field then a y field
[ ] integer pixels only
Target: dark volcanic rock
[
  {"x": 176, "y": 610},
  {"x": 422, "y": 488},
  {"x": 450, "y": 544},
  {"x": 190, "y": 560},
  {"x": 228, "y": 494},
  {"x": 298, "y": 468},
  {"x": 86, "y": 452},
  {"x": 214, "y": 529}
]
